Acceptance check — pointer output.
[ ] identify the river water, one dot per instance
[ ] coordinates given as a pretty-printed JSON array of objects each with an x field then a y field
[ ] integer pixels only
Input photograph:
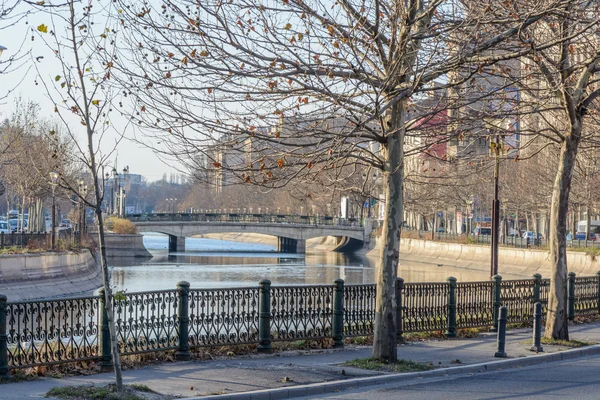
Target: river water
[{"x": 212, "y": 263}]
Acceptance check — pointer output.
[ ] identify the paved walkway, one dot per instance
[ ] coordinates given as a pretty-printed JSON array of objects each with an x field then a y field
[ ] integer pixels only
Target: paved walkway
[{"x": 314, "y": 368}]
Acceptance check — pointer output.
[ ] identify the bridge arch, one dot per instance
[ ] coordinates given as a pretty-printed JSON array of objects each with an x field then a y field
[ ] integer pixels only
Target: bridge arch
[{"x": 291, "y": 237}]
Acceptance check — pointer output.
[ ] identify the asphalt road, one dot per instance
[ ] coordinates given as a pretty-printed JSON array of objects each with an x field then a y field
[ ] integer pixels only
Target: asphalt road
[{"x": 574, "y": 379}]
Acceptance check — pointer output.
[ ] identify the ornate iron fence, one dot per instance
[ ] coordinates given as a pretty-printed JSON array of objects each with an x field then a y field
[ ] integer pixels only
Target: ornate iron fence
[
  {"x": 425, "y": 307},
  {"x": 359, "y": 310},
  {"x": 474, "y": 304},
  {"x": 52, "y": 331},
  {"x": 301, "y": 312},
  {"x": 518, "y": 296},
  {"x": 223, "y": 316},
  {"x": 64, "y": 330},
  {"x": 146, "y": 321},
  {"x": 586, "y": 295}
]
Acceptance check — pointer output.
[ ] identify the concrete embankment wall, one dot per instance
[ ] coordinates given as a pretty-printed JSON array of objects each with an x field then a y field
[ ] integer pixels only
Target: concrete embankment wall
[
  {"x": 118, "y": 245},
  {"x": 326, "y": 243},
  {"x": 44, "y": 275},
  {"x": 516, "y": 261}
]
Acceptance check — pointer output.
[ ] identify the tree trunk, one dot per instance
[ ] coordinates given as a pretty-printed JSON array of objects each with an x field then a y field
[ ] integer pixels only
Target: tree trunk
[
  {"x": 556, "y": 319},
  {"x": 588, "y": 222},
  {"x": 384, "y": 338}
]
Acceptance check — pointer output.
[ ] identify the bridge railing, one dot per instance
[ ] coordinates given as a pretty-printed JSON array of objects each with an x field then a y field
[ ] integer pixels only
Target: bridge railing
[
  {"x": 246, "y": 218},
  {"x": 44, "y": 332}
]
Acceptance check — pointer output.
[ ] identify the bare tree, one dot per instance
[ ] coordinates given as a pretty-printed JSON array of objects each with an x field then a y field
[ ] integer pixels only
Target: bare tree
[
  {"x": 560, "y": 86},
  {"x": 301, "y": 88},
  {"x": 77, "y": 33}
]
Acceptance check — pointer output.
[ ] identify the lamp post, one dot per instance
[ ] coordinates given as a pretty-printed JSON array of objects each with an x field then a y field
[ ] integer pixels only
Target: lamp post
[
  {"x": 2, "y": 48},
  {"x": 85, "y": 191},
  {"x": 107, "y": 199},
  {"x": 80, "y": 183},
  {"x": 495, "y": 209},
  {"x": 113, "y": 199},
  {"x": 122, "y": 192},
  {"x": 53, "y": 182},
  {"x": 468, "y": 222}
]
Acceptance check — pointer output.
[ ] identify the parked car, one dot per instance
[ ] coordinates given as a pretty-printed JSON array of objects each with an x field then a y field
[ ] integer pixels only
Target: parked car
[
  {"x": 482, "y": 231},
  {"x": 581, "y": 236},
  {"x": 65, "y": 225},
  {"x": 4, "y": 227},
  {"x": 531, "y": 235},
  {"x": 13, "y": 225},
  {"x": 440, "y": 229}
]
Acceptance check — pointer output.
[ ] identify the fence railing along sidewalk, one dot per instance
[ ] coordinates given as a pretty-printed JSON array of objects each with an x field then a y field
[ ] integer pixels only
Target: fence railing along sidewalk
[
  {"x": 41, "y": 240},
  {"x": 45, "y": 332},
  {"x": 509, "y": 241}
]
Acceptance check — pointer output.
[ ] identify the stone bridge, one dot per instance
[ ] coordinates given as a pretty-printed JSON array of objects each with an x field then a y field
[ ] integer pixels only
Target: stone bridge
[{"x": 291, "y": 230}]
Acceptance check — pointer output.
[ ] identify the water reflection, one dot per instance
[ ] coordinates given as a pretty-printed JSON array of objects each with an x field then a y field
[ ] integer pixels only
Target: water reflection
[
  {"x": 164, "y": 270},
  {"x": 207, "y": 267}
]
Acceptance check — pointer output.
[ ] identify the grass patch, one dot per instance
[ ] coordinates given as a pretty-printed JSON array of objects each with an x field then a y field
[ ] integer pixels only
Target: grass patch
[
  {"x": 108, "y": 392},
  {"x": 566, "y": 343},
  {"x": 398, "y": 366},
  {"x": 19, "y": 375},
  {"x": 141, "y": 388}
]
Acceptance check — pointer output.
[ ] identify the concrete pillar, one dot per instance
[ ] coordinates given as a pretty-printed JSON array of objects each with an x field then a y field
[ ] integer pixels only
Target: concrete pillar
[
  {"x": 176, "y": 243},
  {"x": 300, "y": 246},
  {"x": 288, "y": 245}
]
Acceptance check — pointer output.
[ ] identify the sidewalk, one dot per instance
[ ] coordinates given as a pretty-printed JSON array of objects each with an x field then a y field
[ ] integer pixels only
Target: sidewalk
[{"x": 260, "y": 372}]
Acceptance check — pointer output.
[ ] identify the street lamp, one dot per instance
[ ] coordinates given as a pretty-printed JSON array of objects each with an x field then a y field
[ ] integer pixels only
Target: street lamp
[
  {"x": 2, "y": 48},
  {"x": 495, "y": 209},
  {"x": 113, "y": 195},
  {"x": 85, "y": 191},
  {"x": 468, "y": 223},
  {"x": 80, "y": 183},
  {"x": 109, "y": 200},
  {"x": 122, "y": 211},
  {"x": 53, "y": 182}
]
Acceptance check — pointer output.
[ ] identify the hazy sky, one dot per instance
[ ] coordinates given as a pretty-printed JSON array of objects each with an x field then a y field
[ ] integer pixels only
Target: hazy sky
[{"x": 22, "y": 82}]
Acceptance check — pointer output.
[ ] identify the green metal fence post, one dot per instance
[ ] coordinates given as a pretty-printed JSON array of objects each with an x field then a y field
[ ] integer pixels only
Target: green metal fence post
[
  {"x": 537, "y": 282},
  {"x": 264, "y": 319},
  {"x": 338, "y": 313},
  {"x": 598, "y": 293},
  {"x": 399, "y": 288},
  {"x": 497, "y": 300},
  {"x": 183, "y": 319},
  {"x": 3, "y": 339},
  {"x": 451, "y": 332},
  {"x": 571, "y": 298},
  {"x": 104, "y": 339}
]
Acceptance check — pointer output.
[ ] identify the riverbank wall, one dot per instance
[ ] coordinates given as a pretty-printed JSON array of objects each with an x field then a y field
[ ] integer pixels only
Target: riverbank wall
[
  {"x": 120, "y": 245},
  {"x": 470, "y": 256},
  {"x": 46, "y": 275},
  {"x": 523, "y": 262}
]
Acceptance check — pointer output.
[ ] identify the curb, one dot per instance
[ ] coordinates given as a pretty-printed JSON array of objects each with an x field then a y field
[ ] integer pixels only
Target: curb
[{"x": 337, "y": 386}]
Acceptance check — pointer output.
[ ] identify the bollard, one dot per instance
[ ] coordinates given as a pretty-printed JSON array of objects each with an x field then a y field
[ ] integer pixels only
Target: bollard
[
  {"x": 183, "y": 319},
  {"x": 104, "y": 340},
  {"x": 501, "y": 343},
  {"x": 451, "y": 332},
  {"x": 537, "y": 328},
  {"x": 537, "y": 282},
  {"x": 3, "y": 339},
  {"x": 571, "y": 298},
  {"x": 497, "y": 301},
  {"x": 264, "y": 318},
  {"x": 337, "y": 324},
  {"x": 399, "y": 288}
]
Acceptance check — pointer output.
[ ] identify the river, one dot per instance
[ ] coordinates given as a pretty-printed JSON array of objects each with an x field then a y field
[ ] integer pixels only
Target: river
[{"x": 212, "y": 263}]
